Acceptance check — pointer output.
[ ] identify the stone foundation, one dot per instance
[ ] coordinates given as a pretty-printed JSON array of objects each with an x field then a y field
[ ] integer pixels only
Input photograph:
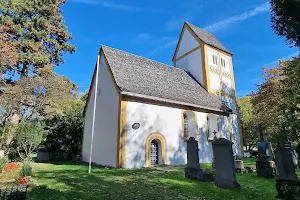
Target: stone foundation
[
  {"x": 288, "y": 189},
  {"x": 198, "y": 174},
  {"x": 266, "y": 169}
]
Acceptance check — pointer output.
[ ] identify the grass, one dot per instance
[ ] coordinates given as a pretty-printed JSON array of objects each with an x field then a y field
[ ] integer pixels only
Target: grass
[{"x": 71, "y": 181}]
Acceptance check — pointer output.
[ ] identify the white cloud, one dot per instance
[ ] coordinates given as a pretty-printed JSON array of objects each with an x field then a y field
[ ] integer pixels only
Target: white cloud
[
  {"x": 216, "y": 26},
  {"x": 161, "y": 48},
  {"x": 238, "y": 18},
  {"x": 116, "y": 6}
]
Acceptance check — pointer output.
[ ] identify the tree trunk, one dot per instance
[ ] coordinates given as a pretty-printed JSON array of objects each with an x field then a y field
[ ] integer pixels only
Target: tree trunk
[{"x": 24, "y": 70}]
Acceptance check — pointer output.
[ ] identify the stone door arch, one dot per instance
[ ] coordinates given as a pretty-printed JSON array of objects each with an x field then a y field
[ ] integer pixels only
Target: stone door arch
[{"x": 156, "y": 150}]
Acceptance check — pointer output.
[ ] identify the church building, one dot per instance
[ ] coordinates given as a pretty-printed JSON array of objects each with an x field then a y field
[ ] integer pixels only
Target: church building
[{"x": 146, "y": 110}]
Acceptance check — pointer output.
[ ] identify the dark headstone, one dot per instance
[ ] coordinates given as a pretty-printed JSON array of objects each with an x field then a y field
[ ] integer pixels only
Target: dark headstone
[
  {"x": 224, "y": 164},
  {"x": 284, "y": 163},
  {"x": 192, "y": 154},
  {"x": 287, "y": 184},
  {"x": 193, "y": 169},
  {"x": 265, "y": 166}
]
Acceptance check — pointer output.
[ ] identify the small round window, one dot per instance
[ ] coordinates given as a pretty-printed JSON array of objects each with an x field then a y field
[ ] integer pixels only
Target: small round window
[{"x": 135, "y": 126}]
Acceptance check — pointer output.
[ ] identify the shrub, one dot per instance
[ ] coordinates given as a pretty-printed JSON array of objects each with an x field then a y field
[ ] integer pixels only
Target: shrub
[
  {"x": 64, "y": 136},
  {"x": 29, "y": 136},
  {"x": 3, "y": 161},
  {"x": 26, "y": 168}
]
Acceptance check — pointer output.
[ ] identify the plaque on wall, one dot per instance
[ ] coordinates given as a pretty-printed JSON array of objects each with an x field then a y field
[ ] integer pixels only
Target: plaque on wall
[{"x": 135, "y": 126}]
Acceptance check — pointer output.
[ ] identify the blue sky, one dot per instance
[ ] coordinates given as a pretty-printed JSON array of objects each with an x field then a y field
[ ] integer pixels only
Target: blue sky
[{"x": 151, "y": 29}]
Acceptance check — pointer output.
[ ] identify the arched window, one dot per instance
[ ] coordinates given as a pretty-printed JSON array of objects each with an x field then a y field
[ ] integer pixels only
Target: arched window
[
  {"x": 212, "y": 127},
  {"x": 190, "y": 126}
]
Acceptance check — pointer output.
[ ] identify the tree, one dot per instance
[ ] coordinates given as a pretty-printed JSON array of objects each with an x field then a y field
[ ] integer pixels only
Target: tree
[
  {"x": 267, "y": 100},
  {"x": 8, "y": 50},
  {"x": 66, "y": 130},
  {"x": 38, "y": 30},
  {"x": 285, "y": 20},
  {"x": 248, "y": 125},
  {"x": 291, "y": 99},
  {"x": 36, "y": 97},
  {"x": 29, "y": 136}
]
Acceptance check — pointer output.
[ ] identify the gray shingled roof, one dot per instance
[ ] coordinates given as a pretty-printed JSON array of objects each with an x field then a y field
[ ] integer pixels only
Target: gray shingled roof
[
  {"x": 207, "y": 37},
  {"x": 141, "y": 77}
]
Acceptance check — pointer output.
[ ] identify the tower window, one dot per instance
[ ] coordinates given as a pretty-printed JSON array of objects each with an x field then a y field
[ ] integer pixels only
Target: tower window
[
  {"x": 223, "y": 63},
  {"x": 215, "y": 59}
]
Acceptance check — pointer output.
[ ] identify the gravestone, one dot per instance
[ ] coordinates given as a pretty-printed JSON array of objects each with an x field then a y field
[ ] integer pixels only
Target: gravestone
[
  {"x": 193, "y": 169},
  {"x": 224, "y": 164},
  {"x": 287, "y": 184},
  {"x": 239, "y": 166},
  {"x": 265, "y": 166}
]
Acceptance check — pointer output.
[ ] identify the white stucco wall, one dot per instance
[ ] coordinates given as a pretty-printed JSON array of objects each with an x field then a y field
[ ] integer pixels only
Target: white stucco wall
[
  {"x": 236, "y": 137},
  {"x": 106, "y": 121},
  {"x": 192, "y": 63},
  {"x": 188, "y": 43},
  {"x": 167, "y": 121},
  {"x": 88, "y": 127},
  {"x": 215, "y": 82}
]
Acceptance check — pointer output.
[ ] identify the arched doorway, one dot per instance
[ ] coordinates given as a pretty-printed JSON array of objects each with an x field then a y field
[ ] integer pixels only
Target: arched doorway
[
  {"x": 156, "y": 150},
  {"x": 190, "y": 126},
  {"x": 156, "y": 158}
]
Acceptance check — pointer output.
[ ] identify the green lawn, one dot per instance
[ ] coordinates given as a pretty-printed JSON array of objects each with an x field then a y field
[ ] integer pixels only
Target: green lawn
[{"x": 71, "y": 181}]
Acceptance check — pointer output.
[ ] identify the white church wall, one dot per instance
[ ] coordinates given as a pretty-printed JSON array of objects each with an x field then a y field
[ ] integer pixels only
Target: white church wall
[
  {"x": 188, "y": 42},
  {"x": 168, "y": 122},
  {"x": 106, "y": 121},
  {"x": 236, "y": 137},
  {"x": 192, "y": 63},
  {"x": 153, "y": 118},
  {"x": 88, "y": 127},
  {"x": 215, "y": 81},
  {"x": 205, "y": 148}
]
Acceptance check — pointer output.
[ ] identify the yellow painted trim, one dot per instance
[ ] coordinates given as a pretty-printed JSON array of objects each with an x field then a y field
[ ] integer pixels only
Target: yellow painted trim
[
  {"x": 219, "y": 50},
  {"x": 193, "y": 34},
  {"x": 179, "y": 41},
  {"x": 203, "y": 58},
  {"x": 229, "y": 127},
  {"x": 220, "y": 71},
  {"x": 162, "y": 139},
  {"x": 206, "y": 69},
  {"x": 182, "y": 126},
  {"x": 122, "y": 134},
  {"x": 187, "y": 53},
  {"x": 232, "y": 77}
]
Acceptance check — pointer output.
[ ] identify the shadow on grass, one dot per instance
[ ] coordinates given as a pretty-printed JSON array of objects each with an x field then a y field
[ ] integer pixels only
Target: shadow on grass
[{"x": 66, "y": 181}]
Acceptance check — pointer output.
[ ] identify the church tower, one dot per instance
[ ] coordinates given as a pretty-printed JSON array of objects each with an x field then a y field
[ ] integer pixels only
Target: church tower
[{"x": 204, "y": 58}]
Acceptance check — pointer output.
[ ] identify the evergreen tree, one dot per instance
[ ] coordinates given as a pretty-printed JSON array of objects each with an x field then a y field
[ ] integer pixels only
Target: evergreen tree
[{"x": 38, "y": 30}]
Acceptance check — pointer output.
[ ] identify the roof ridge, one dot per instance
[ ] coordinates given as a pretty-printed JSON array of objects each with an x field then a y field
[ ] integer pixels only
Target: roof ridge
[
  {"x": 138, "y": 56},
  {"x": 190, "y": 24}
]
